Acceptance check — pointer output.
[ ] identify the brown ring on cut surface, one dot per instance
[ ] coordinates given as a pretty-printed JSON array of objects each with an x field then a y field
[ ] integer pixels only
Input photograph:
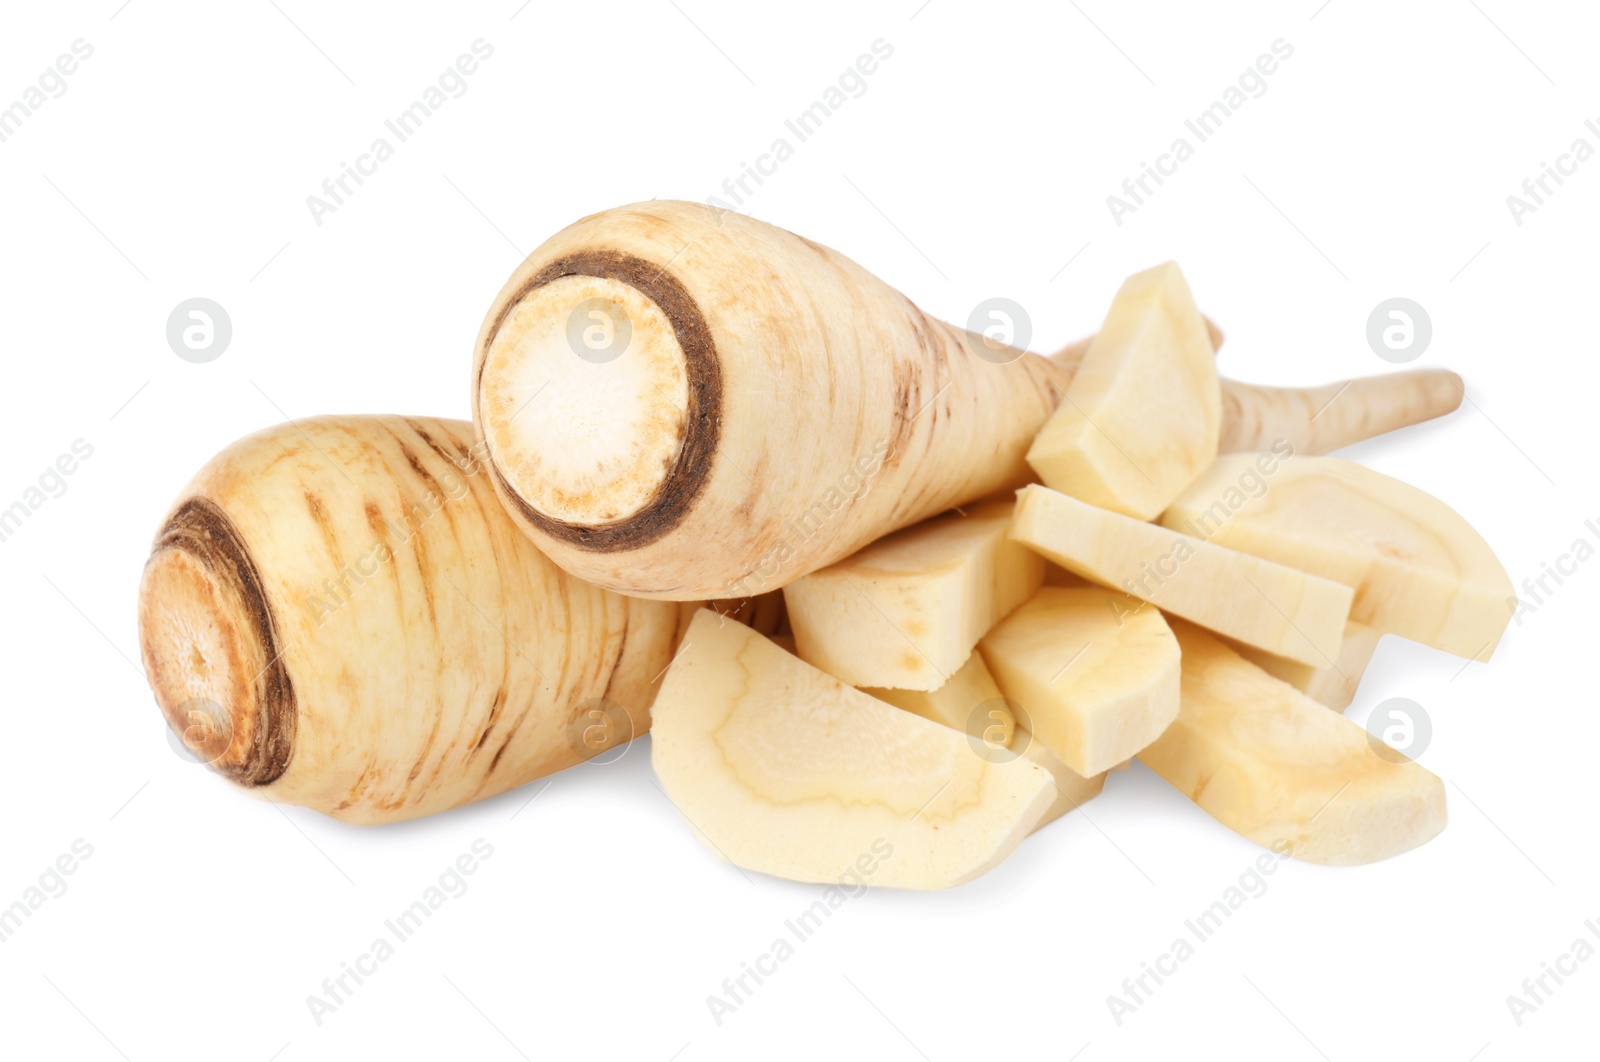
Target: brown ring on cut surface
[
  {"x": 200, "y": 556},
  {"x": 691, "y": 468}
]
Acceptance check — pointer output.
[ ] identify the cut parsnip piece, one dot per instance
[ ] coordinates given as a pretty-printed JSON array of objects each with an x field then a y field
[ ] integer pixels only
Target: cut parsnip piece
[
  {"x": 1418, "y": 569},
  {"x": 1071, "y": 788},
  {"x": 906, "y": 611},
  {"x": 1273, "y": 607},
  {"x": 972, "y": 702},
  {"x": 1096, "y": 681},
  {"x": 1273, "y": 765},
  {"x": 783, "y": 769},
  {"x": 969, "y": 702},
  {"x": 1141, "y": 418},
  {"x": 1332, "y": 684}
]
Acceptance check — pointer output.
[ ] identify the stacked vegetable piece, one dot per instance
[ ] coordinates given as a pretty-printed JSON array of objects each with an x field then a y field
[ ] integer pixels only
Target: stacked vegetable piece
[{"x": 939, "y": 587}]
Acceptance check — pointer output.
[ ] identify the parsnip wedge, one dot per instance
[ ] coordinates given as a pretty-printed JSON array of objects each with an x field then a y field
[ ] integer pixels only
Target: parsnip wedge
[
  {"x": 1418, "y": 569},
  {"x": 784, "y": 769},
  {"x": 1333, "y": 685},
  {"x": 969, "y": 702},
  {"x": 906, "y": 611},
  {"x": 1096, "y": 681},
  {"x": 1141, "y": 418},
  {"x": 1274, "y": 766},
  {"x": 972, "y": 702},
  {"x": 1271, "y": 606},
  {"x": 1071, "y": 788}
]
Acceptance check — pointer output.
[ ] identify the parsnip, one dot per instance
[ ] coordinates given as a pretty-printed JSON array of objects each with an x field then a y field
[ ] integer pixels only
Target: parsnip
[
  {"x": 971, "y": 702},
  {"x": 1096, "y": 680},
  {"x": 1140, "y": 420},
  {"x": 1273, "y": 607},
  {"x": 783, "y": 769},
  {"x": 1273, "y": 765},
  {"x": 906, "y": 611},
  {"x": 665, "y": 463},
  {"x": 1333, "y": 684},
  {"x": 1417, "y": 568},
  {"x": 338, "y": 613}
]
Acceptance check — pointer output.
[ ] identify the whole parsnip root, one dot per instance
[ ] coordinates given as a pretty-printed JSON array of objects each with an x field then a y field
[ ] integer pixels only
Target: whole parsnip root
[
  {"x": 687, "y": 403},
  {"x": 339, "y": 614}
]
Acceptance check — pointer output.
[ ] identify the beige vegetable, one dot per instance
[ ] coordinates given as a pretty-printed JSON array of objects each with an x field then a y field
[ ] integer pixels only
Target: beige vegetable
[
  {"x": 1332, "y": 684},
  {"x": 1140, "y": 419},
  {"x": 972, "y": 703},
  {"x": 1270, "y": 606},
  {"x": 1418, "y": 569},
  {"x": 906, "y": 611},
  {"x": 1273, "y": 765},
  {"x": 783, "y": 769},
  {"x": 687, "y": 403},
  {"x": 338, "y": 613},
  {"x": 1096, "y": 681}
]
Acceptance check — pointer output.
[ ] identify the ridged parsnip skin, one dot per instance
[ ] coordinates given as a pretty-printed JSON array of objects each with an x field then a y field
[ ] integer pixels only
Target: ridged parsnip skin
[
  {"x": 1417, "y": 568},
  {"x": 1273, "y": 765},
  {"x": 1332, "y": 684},
  {"x": 423, "y": 653},
  {"x": 1141, "y": 417},
  {"x": 971, "y": 702},
  {"x": 906, "y": 611},
  {"x": 1280, "y": 609},
  {"x": 782, "y": 407},
  {"x": 1096, "y": 680},
  {"x": 783, "y": 769}
]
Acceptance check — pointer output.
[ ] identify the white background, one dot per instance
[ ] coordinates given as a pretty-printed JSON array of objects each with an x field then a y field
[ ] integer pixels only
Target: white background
[{"x": 977, "y": 163}]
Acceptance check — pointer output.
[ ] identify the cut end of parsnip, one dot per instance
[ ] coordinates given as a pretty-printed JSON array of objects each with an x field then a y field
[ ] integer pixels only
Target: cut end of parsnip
[
  {"x": 1142, "y": 415},
  {"x": 1271, "y": 606},
  {"x": 905, "y": 612},
  {"x": 584, "y": 400},
  {"x": 783, "y": 769},
  {"x": 1417, "y": 568},
  {"x": 1275, "y": 766},
  {"x": 1096, "y": 679},
  {"x": 207, "y": 639}
]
